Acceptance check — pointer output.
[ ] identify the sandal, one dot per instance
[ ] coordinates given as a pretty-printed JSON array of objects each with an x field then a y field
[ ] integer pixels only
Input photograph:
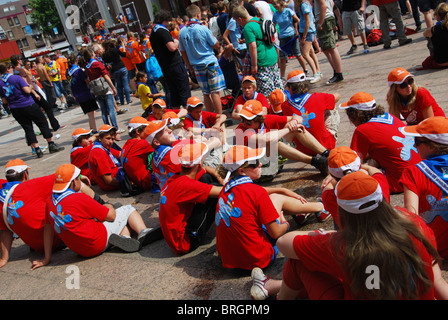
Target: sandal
[{"x": 121, "y": 111}]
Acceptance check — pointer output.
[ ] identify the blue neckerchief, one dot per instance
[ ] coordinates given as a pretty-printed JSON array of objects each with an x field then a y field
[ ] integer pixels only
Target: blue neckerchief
[
  {"x": 5, "y": 77},
  {"x": 57, "y": 197},
  {"x": 73, "y": 69},
  {"x": 253, "y": 98},
  {"x": 97, "y": 144},
  {"x": 193, "y": 21},
  {"x": 90, "y": 63},
  {"x": 8, "y": 89},
  {"x": 298, "y": 101},
  {"x": 5, "y": 189},
  {"x": 385, "y": 118},
  {"x": 159, "y": 26},
  {"x": 159, "y": 153},
  {"x": 236, "y": 182},
  {"x": 198, "y": 122},
  {"x": 435, "y": 167}
]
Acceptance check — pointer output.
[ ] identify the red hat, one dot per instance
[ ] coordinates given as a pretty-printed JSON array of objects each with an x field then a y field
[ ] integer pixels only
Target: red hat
[
  {"x": 251, "y": 109},
  {"x": 358, "y": 193},
  {"x": 296, "y": 76},
  {"x": 64, "y": 175},
  {"x": 136, "y": 122},
  {"x": 398, "y": 76},
  {"x": 194, "y": 102},
  {"x": 80, "y": 132},
  {"x": 191, "y": 154},
  {"x": 361, "y": 101},
  {"x": 153, "y": 128},
  {"x": 17, "y": 165},
  {"x": 342, "y": 159},
  {"x": 276, "y": 98},
  {"x": 433, "y": 128}
]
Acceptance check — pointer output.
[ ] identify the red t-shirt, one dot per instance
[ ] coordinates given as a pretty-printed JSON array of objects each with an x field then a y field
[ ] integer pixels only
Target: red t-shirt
[
  {"x": 79, "y": 223},
  {"x": 314, "y": 119},
  {"x": 385, "y": 144},
  {"x": 26, "y": 211},
  {"x": 258, "y": 96},
  {"x": 79, "y": 157},
  {"x": 331, "y": 205},
  {"x": 176, "y": 205},
  {"x": 136, "y": 152},
  {"x": 424, "y": 99},
  {"x": 96, "y": 70},
  {"x": 317, "y": 254},
  {"x": 271, "y": 122},
  {"x": 416, "y": 181},
  {"x": 208, "y": 120},
  {"x": 240, "y": 239},
  {"x": 152, "y": 118},
  {"x": 100, "y": 164}
]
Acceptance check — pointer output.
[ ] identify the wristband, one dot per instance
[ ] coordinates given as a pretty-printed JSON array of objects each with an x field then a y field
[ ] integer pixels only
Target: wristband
[
  {"x": 287, "y": 229},
  {"x": 320, "y": 231}
]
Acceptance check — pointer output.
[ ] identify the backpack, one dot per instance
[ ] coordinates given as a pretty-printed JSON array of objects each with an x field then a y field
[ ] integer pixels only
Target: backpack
[
  {"x": 268, "y": 29},
  {"x": 374, "y": 38}
]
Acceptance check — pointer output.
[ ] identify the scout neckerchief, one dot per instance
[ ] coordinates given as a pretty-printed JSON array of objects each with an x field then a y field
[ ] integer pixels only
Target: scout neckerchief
[
  {"x": 159, "y": 26},
  {"x": 297, "y": 101},
  {"x": 196, "y": 123},
  {"x": 253, "y": 98},
  {"x": 98, "y": 145},
  {"x": 385, "y": 118},
  {"x": 236, "y": 182},
  {"x": 57, "y": 197},
  {"x": 91, "y": 62},
  {"x": 436, "y": 168},
  {"x": 193, "y": 21},
  {"x": 5, "y": 189},
  {"x": 159, "y": 153},
  {"x": 73, "y": 69},
  {"x": 8, "y": 89}
]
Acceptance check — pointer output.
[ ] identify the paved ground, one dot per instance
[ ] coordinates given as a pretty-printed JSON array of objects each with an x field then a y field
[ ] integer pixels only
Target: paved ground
[{"x": 154, "y": 272}]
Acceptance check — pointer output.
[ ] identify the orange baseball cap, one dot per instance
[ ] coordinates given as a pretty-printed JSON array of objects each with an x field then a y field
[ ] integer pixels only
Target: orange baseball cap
[
  {"x": 296, "y": 76},
  {"x": 249, "y": 78},
  {"x": 361, "y": 101},
  {"x": 159, "y": 102},
  {"x": 17, "y": 165},
  {"x": 153, "y": 128},
  {"x": 64, "y": 175},
  {"x": 192, "y": 153},
  {"x": 172, "y": 116},
  {"x": 136, "y": 122},
  {"x": 237, "y": 155},
  {"x": 342, "y": 159},
  {"x": 194, "y": 102},
  {"x": 106, "y": 128},
  {"x": 358, "y": 193},
  {"x": 276, "y": 98},
  {"x": 80, "y": 132},
  {"x": 398, "y": 76},
  {"x": 251, "y": 109},
  {"x": 433, "y": 128}
]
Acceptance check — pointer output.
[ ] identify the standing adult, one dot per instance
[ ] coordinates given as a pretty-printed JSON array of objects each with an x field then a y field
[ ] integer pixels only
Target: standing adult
[
  {"x": 263, "y": 56},
  {"x": 325, "y": 24},
  {"x": 166, "y": 51},
  {"x": 196, "y": 43},
  {"x": 46, "y": 82},
  {"x": 15, "y": 92},
  {"x": 54, "y": 71}
]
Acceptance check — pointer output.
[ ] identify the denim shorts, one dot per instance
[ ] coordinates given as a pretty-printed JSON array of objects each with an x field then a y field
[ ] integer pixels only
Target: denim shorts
[
  {"x": 289, "y": 46},
  {"x": 309, "y": 36}
]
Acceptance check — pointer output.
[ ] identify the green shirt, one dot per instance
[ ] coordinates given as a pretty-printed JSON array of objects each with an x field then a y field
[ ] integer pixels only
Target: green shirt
[{"x": 266, "y": 54}]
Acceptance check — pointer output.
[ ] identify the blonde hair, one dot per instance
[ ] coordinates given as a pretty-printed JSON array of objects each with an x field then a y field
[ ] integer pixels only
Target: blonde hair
[
  {"x": 442, "y": 12},
  {"x": 395, "y": 102},
  {"x": 239, "y": 12}
]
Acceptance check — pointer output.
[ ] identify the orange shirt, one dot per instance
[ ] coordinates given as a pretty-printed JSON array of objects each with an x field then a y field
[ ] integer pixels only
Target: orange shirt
[
  {"x": 62, "y": 61},
  {"x": 127, "y": 62},
  {"x": 133, "y": 50}
]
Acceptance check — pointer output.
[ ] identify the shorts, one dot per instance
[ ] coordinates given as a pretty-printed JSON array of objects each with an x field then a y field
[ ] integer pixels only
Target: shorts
[
  {"x": 310, "y": 36},
  {"x": 121, "y": 220},
  {"x": 89, "y": 106},
  {"x": 289, "y": 46},
  {"x": 326, "y": 35},
  {"x": 268, "y": 79},
  {"x": 426, "y": 5},
  {"x": 210, "y": 78},
  {"x": 350, "y": 19}
]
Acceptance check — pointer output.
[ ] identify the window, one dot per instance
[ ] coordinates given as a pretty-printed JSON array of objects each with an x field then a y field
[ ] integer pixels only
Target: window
[
  {"x": 10, "y": 35},
  {"x": 19, "y": 44},
  {"x": 25, "y": 43},
  {"x": 16, "y": 21},
  {"x": 12, "y": 8},
  {"x": 11, "y": 24},
  {"x": 6, "y": 9}
]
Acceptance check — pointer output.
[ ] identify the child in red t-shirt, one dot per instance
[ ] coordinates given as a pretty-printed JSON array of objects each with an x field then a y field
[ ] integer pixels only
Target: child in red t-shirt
[
  {"x": 79, "y": 155},
  {"x": 321, "y": 264},
  {"x": 159, "y": 109},
  {"x": 249, "y": 88}
]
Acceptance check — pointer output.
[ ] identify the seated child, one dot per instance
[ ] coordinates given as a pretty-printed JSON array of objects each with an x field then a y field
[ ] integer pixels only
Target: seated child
[
  {"x": 249, "y": 88},
  {"x": 79, "y": 155},
  {"x": 159, "y": 108}
]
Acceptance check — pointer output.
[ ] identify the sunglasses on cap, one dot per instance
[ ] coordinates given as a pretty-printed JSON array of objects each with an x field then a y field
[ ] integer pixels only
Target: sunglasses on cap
[{"x": 405, "y": 84}]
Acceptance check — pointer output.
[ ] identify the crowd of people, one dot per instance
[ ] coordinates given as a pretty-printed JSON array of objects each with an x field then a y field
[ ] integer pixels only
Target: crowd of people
[{"x": 178, "y": 148}]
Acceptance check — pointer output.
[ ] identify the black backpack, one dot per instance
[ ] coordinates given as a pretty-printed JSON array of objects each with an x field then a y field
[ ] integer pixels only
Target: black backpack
[{"x": 268, "y": 29}]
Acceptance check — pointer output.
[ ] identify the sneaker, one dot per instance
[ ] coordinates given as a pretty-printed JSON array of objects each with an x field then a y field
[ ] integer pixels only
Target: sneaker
[
  {"x": 366, "y": 49},
  {"x": 323, "y": 215},
  {"x": 321, "y": 163},
  {"x": 301, "y": 218},
  {"x": 120, "y": 130},
  {"x": 53, "y": 147},
  {"x": 336, "y": 78},
  {"x": 259, "y": 279},
  {"x": 149, "y": 235},
  {"x": 407, "y": 41},
  {"x": 352, "y": 49},
  {"x": 317, "y": 78},
  {"x": 387, "y": 46},
  {"x": 125, "y": 243},
  {"x": 39, "y": 152}
]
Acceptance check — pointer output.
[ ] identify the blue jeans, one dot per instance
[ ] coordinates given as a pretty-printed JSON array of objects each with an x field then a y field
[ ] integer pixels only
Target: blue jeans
[
  {"x": 122, "y": 84},
  {"x": 107, "y": 107},
  {"x": 59, "y": 89}
]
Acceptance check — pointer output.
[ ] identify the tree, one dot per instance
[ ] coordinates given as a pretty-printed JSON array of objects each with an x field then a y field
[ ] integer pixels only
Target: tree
[{"x": 45, "y": 15}]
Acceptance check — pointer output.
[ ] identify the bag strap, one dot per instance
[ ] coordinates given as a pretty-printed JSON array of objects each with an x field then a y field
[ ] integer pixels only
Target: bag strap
[{"x": 5, "y": 206}]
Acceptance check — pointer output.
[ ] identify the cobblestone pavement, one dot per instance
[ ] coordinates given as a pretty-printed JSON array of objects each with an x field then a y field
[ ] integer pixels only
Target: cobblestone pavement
[{"x": 155, "y": 273}]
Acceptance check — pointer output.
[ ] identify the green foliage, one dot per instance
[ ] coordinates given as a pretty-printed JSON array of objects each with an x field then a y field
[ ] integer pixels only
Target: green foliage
[{"x": 45, "y": 15}]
